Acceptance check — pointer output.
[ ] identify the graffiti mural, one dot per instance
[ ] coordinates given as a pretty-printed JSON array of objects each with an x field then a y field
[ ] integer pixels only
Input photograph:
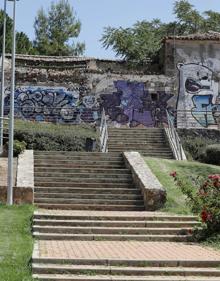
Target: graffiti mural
[
  {"x": 54, "y": 105},
  {"x": 132, "y": 105},
  {"x": 199, "y": 99}
]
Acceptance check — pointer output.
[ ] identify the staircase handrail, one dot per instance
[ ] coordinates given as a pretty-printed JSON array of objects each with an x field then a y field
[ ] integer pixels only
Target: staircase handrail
[
  {"x": 103, "y": 133},
  {"x": 174, "y": 139}
]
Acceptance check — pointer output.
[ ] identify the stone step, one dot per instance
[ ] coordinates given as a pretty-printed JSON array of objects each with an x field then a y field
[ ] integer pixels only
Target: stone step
[
  {"x": 111, "y": 230},
  {"x": 85, "y": 184},
  {"x": 199, "y": 263},
  {"x": 151, "y": 143},
  {"x": 66, "y": 190},
  {"x": 91, "y": 170},
  {"x": 102, "y": 157},
  {"x": 112, "y": 237},
  {"x": 65, "y": 277},
  {"x": 82, "y": 175},
  {"x": 103, "y": 196},
  {"x": 132, "y": 137},
  {"x": 77, "y": 153},
  {"x": 86, "y": 165},
  {"x": 79, "y": 162},
  {"x": 157, "y": 155},
  {"x": 82, "y": 179},
  {"x": 153, "y": 129},
  {"x": 89, "y": 201},
  {"x": 91, "y": 207},
  {"x": 103, "y": 216},
  {"x": 122, "y": 223},
  {"x": 141, "y": 147},
  {"x": 123, "y": 271},
  {"x": 144, "y": 150}
]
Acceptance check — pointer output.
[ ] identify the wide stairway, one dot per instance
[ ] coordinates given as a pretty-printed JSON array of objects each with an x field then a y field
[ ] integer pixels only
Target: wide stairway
[
  {"x": 84, "y": 181},
  {"x": 149, "y": 142},
  {"x": 92, "y": 226}
]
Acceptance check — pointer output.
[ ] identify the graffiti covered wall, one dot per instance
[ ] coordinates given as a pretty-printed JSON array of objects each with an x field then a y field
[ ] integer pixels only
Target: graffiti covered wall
[
  {"x": 198, "y": 104},
  {"x": 132, "y": 105},
  {"x": 129, "y": 101},
  {"x": 58, "y": 105}
]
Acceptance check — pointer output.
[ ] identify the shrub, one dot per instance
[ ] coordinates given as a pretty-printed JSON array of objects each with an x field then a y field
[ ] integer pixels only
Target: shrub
[
  {"x": 194, "y": 141},
  {"x": 211, "y": 154},
  {"x": 44, "y": 136},
  {"x": 19, "y": 147},
  {"x": 194, "y": 147},
  {"x": 203, "y": 196}
]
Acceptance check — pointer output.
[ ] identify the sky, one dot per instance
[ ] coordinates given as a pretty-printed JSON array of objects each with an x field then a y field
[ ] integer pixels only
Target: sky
[{"x": 97, "y": 14}]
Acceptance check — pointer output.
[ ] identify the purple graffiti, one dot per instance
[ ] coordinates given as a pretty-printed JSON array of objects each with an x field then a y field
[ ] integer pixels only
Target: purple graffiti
[{"x": 133, "y": 105}]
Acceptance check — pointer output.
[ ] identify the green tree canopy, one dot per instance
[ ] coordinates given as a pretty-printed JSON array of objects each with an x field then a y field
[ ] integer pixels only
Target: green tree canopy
[
  {"x": 56, "y": 29},
  {"x": 143, "y": 41},
  {"x": 23, "y": 44}
]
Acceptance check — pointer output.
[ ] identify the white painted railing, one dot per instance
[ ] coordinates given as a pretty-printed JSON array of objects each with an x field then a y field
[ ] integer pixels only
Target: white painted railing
[
  {"x": 174, "y": 139},
  {"x": 103, "y": 133}
]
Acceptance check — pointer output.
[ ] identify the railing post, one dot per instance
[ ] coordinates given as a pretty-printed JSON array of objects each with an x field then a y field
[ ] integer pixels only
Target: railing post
[
  {"x": 174, "y": 138},
  {"x": 103, "y": 133}
]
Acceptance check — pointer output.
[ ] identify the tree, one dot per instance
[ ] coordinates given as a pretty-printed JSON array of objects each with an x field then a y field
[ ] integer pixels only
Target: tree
[
  {"x": 143, "y": 41},
  {"x": 137, "y": 43},
  {"x": 23, "y": 44},
  {"x": 56, "y": 29}
]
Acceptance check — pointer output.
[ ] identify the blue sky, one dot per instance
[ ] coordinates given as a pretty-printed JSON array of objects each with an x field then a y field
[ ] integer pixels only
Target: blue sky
[{"x": 96, "y": 14}]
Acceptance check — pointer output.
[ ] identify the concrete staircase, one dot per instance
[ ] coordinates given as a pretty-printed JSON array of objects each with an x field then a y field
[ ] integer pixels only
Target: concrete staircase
[
  {"x": 149, "y": 142},
  {"x": 93, "y": 227},
  {"x": 113, "y": 226},
  {"x": 126, "y": 270},
  {"x": 92, "y": 257},
  {"x": 84, "y": 181}
]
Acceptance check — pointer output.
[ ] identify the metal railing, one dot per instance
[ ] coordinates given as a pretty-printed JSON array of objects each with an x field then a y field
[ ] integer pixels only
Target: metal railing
[
  {"x": 4, "y": 130},
  {"x": 103, "y": 133},
  {"x": 174, "y": 139}
]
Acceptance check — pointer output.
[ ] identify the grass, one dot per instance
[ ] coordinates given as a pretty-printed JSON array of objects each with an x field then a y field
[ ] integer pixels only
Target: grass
[
  {"x": 53, "y": 137},
  {"x": 84, "y": 130},
  {"x": 16, "y": 243},
  {"x": 162, "y": 168}
]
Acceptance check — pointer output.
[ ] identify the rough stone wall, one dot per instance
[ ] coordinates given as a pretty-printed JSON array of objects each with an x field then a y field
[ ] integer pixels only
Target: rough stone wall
[
  {"x": 74, "y": 91},
  {"x": 75, "y": 95}
]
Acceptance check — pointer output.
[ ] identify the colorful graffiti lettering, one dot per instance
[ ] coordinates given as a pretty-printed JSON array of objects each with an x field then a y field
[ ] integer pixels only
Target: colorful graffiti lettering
[
  {"x": 198, "y": 96},
  {"x": 133, "y": 105},
  {"x": 53, "y": 105}
]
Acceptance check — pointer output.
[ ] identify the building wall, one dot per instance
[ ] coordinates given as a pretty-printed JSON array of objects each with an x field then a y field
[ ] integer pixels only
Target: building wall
[{"x": 196, "y": 66}]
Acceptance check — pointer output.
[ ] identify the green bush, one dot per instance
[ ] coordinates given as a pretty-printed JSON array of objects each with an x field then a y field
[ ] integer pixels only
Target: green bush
[
  {"x": 194, "y": 141},
  {"x": 211, "y": 154},
  {"x": 19, "y": 147},
  {"x": 203, "y": 197},
  {"x": 194, "y": 147},
  {"x": 49, "y": 137}
]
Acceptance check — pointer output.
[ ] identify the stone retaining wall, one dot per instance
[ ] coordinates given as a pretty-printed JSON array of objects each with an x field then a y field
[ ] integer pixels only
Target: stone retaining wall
[{"x": 153, "y": 192}]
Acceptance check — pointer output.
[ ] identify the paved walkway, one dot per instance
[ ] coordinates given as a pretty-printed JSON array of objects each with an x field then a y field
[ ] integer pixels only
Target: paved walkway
[{"x": 128, "y": 250}]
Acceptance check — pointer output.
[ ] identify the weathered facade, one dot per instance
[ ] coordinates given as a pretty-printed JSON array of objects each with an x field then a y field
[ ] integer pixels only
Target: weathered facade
[
  {"x": 195, "y": 62},
  {"x": 74, "y": 90}
]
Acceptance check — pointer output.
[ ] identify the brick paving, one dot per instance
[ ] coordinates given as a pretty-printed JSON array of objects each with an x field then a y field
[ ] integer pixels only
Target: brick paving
[{"x": 128, "y": 250}]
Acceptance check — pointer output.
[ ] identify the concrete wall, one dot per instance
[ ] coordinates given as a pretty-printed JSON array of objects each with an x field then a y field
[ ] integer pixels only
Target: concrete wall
[{"x": 196, "y": 66}]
